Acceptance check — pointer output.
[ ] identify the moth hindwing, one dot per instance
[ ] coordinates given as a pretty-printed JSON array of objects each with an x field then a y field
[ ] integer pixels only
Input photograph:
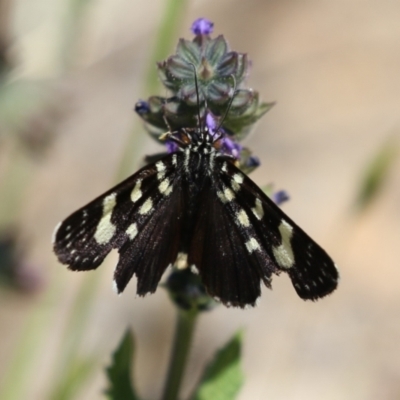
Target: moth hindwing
[{"x": 195, "y": 209}]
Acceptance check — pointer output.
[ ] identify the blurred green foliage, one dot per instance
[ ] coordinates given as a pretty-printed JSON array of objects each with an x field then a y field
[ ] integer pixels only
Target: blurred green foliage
[
  {"x": 223, "y": 377},
  {"x": 376, "y": 173},
  {"x": 119, "y": 372}
]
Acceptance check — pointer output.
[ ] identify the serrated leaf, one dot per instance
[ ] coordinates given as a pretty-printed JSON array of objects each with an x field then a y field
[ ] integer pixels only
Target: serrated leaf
[
  {"x": 119, "y": 372},
  {"x": 223, "y": 377}
]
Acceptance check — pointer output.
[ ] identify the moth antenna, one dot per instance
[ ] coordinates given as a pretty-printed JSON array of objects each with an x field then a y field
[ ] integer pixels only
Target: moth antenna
[
  {"x": 205, "y": 129},
  {"x": 228, "y": 108},
  {"x": 197, "y": 95},
  {"x": 167, "y": 123}
]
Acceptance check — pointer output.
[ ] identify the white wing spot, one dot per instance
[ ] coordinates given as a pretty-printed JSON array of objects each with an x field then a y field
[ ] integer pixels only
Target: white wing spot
[
  {"x": 229, "y": 195},
  {"x": 284, "y": 253},
  {"x": 161, "y": 170},
  {"x": 194, "y": 269},
  {"x": 105, "y": 229},
  {"x": 252, "y": 245},
  {"x": 181, "y": 261},
  {"x": 236, "y": 182},
  {"x": 165, "y": 187},
  {"x": 53, "y": 238},
  {"x": 132, "y": 231},
  {"x": 146, "y": 207},
  {"x": 115, "y": 287},
  {"x": 136, "y": 193},
  {"x": 174, "y": 160},
  {"x": 226, "y": 196},
  {"x": 224, "y": 167},
  {"x": 243, "y": 218},
  {"x": 335, "y": 266},
  {"x": 222, "y": 197},
  {"x": 258, "y": 210}
]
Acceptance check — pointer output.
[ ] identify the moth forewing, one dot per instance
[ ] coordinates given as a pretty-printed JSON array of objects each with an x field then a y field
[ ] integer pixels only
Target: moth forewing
[
  {"x": 83, "y": 240},
  {"x": 312, "y": 271}
]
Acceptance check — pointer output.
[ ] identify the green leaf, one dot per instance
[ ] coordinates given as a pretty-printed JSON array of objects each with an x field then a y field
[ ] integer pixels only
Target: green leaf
[
  {"x": 376, "y": 173},
  {"x": 216, "y": 50},
  {"x": 119, "y": 372},
  {"x": 178, "y": 68},
  {"x": 189, "y": 52},
  {"x": 223, "y": 377},
  {"x": 228, "y": 64}
]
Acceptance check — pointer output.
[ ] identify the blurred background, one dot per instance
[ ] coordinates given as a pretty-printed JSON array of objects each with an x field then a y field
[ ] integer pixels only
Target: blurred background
[{"x": 70, "y": 74}]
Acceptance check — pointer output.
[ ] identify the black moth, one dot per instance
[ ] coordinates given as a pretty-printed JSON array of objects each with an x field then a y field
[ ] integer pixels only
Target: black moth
[{"x": 195, "y": 209}]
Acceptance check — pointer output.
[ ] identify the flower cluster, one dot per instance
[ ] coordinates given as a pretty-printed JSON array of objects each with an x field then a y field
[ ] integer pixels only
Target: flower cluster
[{"x": 220, "y": 74}]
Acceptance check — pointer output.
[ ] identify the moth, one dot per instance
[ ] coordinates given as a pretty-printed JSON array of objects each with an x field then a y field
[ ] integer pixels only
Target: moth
[{"x": 195, "y": 209}]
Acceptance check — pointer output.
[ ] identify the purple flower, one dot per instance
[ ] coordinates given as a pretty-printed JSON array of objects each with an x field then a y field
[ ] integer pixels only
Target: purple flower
[
  {"x": 202, "y": 26},
  {"x": 210, "y": 122},
  {"x": 231, "y": 147},
  {"x": 253, "y": 162},
  {"x": 172, "y": 147},
  {"x": 280, "y": 197},
  {"x": 228, "y": 145},
  {"x": 142, "y": 107}
]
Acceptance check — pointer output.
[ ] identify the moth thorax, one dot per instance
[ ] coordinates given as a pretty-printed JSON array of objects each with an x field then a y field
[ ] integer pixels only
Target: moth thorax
[{"x": 201, "y": 147}]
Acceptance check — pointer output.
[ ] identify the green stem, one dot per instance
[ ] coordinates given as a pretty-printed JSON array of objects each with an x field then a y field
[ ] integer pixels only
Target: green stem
[
  {"x": 183, "y": 336},
  {"x": 166, "y": 37}
]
